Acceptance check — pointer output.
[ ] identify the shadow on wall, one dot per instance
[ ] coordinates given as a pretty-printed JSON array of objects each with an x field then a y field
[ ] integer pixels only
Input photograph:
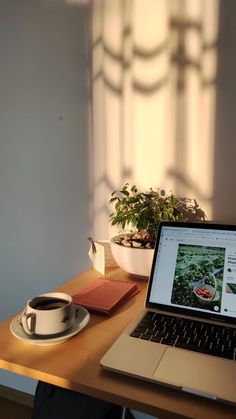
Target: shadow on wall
[{"x": 154, "y": 93}]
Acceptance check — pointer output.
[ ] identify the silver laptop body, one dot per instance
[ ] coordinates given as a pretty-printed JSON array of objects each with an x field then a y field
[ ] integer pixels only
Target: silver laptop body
[{"x": 193, "y": 283}]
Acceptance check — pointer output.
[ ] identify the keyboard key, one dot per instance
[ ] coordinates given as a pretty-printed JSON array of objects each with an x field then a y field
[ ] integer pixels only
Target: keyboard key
[
  {"x": 183, "y": 339},
  {"x": 168, "y": 341},
  {"x": 224, "y": 354},
  {"x": 135, "y": 334},
  {"x": 145, "y": 337},
  {"x": 141, "y": 329},
  {"x": 156, "y": 339}
]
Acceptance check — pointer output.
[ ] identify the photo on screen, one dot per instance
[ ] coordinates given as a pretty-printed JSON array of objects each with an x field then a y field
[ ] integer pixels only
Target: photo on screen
[{"x": 198, "y": 277}]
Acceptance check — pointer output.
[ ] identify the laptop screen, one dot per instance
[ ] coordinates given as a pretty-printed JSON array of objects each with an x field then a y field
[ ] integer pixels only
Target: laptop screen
[{"x": 194, "y": 269}]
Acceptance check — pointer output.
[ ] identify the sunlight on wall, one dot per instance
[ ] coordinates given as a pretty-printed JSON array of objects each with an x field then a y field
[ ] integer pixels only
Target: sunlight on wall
[
  {"x": 150, "y": 70},
  {"x": 154, "y": 71},
  {"x": 198, "y": 104}
]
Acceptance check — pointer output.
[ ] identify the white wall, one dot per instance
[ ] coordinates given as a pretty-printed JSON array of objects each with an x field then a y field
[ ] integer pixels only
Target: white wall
[{"x": 44, "y": 179}]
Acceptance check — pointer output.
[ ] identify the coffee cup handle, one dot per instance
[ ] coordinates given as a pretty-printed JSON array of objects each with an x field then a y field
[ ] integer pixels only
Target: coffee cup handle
[{"x": 24, "y": 322}]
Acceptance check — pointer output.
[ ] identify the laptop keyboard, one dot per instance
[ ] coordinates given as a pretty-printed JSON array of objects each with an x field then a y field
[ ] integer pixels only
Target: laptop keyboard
[{"x": 188, "y": 334}]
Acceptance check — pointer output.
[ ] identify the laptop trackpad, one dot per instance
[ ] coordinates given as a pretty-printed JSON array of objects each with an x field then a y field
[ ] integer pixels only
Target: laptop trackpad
[{"x": 197, "y": 373}]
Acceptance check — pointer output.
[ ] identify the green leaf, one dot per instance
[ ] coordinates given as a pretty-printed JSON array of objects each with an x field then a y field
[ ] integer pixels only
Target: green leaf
[
  {"x": 125, "y": 192},
  {"x": 145, "y": 209},
  {"x": 134, "y": 189}
]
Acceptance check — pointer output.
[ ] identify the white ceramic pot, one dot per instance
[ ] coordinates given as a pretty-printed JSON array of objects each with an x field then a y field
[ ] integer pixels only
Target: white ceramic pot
[{"x": 135, "y": 261}]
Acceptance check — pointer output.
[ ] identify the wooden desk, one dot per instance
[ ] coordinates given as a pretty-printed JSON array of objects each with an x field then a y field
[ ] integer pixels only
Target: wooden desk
[{"x": 75, "y": 364}]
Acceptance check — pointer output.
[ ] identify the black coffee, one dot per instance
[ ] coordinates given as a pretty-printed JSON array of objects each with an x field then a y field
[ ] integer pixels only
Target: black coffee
[{"x": 50, "y": 304}]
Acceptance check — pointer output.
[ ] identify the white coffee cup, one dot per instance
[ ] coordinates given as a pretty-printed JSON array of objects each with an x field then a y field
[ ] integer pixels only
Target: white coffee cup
[{"x": 48, "y": 314}]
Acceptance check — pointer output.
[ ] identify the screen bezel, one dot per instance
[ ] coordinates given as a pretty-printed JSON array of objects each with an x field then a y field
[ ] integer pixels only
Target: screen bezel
[{"x": 179, "y": 310}]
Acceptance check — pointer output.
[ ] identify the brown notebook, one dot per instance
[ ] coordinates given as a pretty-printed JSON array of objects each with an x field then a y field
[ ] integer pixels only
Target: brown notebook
[{"x": 105, "y": 294}]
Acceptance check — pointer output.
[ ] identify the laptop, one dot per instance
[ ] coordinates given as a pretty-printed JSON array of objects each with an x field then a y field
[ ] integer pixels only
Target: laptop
[{"x": 185, "y": 337}]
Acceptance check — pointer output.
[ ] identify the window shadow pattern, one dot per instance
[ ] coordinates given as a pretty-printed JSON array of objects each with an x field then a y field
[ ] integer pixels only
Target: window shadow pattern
[{"x": 177, "y": 73}]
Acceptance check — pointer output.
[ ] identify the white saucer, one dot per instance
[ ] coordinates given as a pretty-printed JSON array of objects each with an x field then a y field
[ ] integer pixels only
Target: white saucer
[{"x": 82, "y": 319}]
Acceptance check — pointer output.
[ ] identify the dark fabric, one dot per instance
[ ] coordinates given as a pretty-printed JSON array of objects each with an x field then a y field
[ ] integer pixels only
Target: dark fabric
[{"x": 53, "y": 402}]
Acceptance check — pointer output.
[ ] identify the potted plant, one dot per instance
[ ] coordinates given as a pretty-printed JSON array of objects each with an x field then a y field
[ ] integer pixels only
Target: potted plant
[{"x": 139, "y": 214}]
